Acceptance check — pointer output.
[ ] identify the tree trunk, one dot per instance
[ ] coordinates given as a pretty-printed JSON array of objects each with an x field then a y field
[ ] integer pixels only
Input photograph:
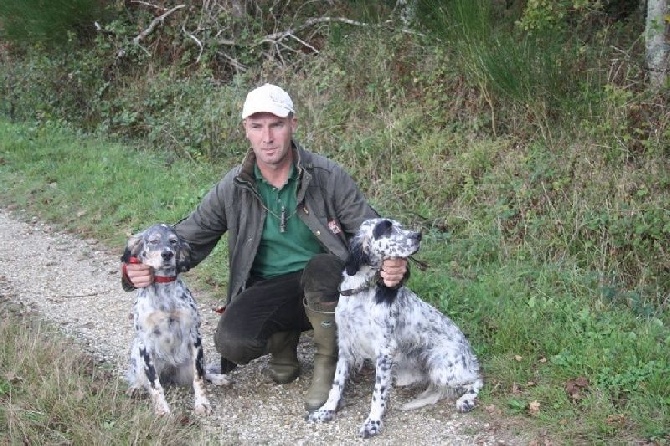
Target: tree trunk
[{"x": 656, "y": 42}]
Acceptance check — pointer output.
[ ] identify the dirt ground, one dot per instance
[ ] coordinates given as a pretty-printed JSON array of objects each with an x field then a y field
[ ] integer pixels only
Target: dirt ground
[{"x": 75, "y": 284}]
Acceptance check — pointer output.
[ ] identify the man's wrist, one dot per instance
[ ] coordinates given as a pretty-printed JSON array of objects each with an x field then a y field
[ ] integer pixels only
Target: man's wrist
[{"x": 126, "y": 283}]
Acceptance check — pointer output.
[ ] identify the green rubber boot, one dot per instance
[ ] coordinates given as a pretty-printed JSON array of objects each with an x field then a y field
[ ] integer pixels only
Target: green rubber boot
[
  {"x": 284, "y": 366},
  {"x": 325, "y": 357}
]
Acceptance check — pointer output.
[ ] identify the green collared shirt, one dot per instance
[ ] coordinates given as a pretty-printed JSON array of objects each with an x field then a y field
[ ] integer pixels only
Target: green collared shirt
[{"x": 286, "y": 246}]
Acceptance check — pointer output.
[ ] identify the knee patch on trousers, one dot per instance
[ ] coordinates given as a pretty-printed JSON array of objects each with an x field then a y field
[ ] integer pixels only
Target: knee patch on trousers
[
  {"x": 239, "y": 351},
  {"x": 321, "y": 280}
]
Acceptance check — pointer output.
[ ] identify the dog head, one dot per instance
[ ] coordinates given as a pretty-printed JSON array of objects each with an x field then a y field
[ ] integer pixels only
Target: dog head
[
  {"x": 379, "y": 239},
  {"x": 160, "y": 247}
]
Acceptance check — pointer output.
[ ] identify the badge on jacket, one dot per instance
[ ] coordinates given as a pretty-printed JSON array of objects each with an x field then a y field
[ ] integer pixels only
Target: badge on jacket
[{"x": 334, "y": 227}]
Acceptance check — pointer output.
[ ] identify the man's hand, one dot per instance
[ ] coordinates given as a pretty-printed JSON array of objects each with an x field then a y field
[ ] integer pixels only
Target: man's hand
[
  {"x": 393, "y": 270},
  {"x": 139, "y": 274}
]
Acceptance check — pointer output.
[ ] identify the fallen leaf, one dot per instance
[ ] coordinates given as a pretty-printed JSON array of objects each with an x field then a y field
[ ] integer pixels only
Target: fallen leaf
[
  {"x": 616, "y": 419},
  {"x": 534, "y": 408},
  {"x": 518, "y": 358}
]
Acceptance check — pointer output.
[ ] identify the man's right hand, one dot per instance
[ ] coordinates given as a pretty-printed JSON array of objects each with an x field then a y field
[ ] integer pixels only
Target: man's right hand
[{"x": 139, "y": 274}]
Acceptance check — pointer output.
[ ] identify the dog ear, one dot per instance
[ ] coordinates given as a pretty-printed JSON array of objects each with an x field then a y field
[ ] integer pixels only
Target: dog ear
[
  {"x": 384, "y": 294},
  {"x": 133, "y": 247},
  {"x": 384, "y": 227},
  {"x": 183, "y": 256},
  {"x": 357, "y": 256}
]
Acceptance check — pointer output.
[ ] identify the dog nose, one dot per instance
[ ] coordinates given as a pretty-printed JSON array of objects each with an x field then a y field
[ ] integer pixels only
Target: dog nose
[
  {"x": 418, "y": 236},
  {"x": 167, "y": 255}
]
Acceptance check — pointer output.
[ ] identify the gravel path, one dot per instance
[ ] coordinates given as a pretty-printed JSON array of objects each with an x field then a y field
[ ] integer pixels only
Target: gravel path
[{"x": 75, "y": 283}]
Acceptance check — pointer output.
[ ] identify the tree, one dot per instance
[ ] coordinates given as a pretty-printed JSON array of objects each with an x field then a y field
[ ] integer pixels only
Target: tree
[{"x": 656, "y": 42}]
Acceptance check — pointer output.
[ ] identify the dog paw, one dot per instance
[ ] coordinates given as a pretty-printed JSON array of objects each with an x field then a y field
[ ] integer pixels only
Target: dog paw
[
  {"x": 161, "y": 409},
  {"x": 218, "y": 379},
  {"x": 321, "y": 416},
  {"x": 203, "y": 409},
  {"x": 371, "y": 428},
  {"x": 465, "y": 403}
]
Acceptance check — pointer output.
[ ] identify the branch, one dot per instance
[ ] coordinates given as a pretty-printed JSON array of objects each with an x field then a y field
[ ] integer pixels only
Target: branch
[
  {"x": 149, "y": 5},
  {"x": 154, "y": 23},
  {"x": 311, "y": 22},
  {"x": 195, "y": 39},
  {"x": 311, "y": 47},
  {"x": 276, "y": 37},
  {"x": 232, "y": 61}
]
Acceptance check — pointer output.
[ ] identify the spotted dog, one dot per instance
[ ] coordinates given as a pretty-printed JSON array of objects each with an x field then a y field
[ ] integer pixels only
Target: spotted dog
[
  {"x": 411, "y": 341},
  {"x": 167, "y": 347}
]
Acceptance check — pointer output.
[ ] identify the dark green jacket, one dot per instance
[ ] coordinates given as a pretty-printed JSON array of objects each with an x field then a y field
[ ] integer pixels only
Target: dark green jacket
[{"x": 329, "y": 203}]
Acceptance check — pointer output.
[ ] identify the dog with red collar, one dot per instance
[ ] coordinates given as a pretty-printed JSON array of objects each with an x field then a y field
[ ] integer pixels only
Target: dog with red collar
[{"x": 167, "y": 347}]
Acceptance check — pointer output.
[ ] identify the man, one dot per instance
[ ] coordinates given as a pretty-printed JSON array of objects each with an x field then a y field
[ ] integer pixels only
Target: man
[{"x": 289, "y": 214}]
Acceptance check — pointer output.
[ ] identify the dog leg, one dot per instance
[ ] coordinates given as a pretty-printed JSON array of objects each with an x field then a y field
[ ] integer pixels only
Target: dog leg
[
  {"x": 155, "y": 388},
  {"x": 327, "y": 412},
  {"x": 373, "y": 424},
  {"x": 202, "y": 406},
  {"x": 157, "y": 394}
]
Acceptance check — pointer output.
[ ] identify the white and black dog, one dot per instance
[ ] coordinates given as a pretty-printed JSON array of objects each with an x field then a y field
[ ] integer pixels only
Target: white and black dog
[
  {"x": 167, "y": 347},
  {"x": 411, "y": 341}
]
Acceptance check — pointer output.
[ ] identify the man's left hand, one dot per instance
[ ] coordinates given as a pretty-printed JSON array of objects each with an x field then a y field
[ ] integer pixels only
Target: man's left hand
[{"x": 393, "y": 271}]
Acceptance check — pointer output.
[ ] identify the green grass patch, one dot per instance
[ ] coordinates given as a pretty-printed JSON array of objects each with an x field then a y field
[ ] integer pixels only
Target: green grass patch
[{"x": 100, "y": 190}]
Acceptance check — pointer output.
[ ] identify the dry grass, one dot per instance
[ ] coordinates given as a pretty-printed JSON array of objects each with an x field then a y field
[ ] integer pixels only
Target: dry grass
[{"x": 51, "y": 393}]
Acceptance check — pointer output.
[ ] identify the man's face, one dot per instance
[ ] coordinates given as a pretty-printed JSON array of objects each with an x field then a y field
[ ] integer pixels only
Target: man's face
[{"x": 270, "y": 138}]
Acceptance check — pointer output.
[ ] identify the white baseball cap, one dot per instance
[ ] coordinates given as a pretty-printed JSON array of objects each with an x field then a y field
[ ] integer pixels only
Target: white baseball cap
[{"x": 269, "y": 99}]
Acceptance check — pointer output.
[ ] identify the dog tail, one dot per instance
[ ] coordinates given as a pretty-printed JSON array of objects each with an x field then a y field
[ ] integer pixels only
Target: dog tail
[{"x": 431, "y": 395}]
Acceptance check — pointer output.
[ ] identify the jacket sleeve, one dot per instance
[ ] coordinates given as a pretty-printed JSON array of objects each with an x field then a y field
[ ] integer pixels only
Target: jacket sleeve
[
  {"x": 351, "y": 206},
  {"x": 205, "y": 226},
  {"x": 353, "y": 209}
]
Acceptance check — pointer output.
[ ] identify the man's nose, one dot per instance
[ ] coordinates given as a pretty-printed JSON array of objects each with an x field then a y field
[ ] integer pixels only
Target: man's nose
[{"x": 267, "y": 135}]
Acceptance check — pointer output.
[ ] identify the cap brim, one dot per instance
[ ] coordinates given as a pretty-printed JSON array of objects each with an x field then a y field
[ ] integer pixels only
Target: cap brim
[{"x": 281, "y": 112}]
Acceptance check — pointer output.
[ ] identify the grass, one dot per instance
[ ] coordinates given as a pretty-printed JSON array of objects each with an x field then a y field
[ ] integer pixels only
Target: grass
[
  {"x": 538, "y": 326},
  {"x": 51, "y": 393}
]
